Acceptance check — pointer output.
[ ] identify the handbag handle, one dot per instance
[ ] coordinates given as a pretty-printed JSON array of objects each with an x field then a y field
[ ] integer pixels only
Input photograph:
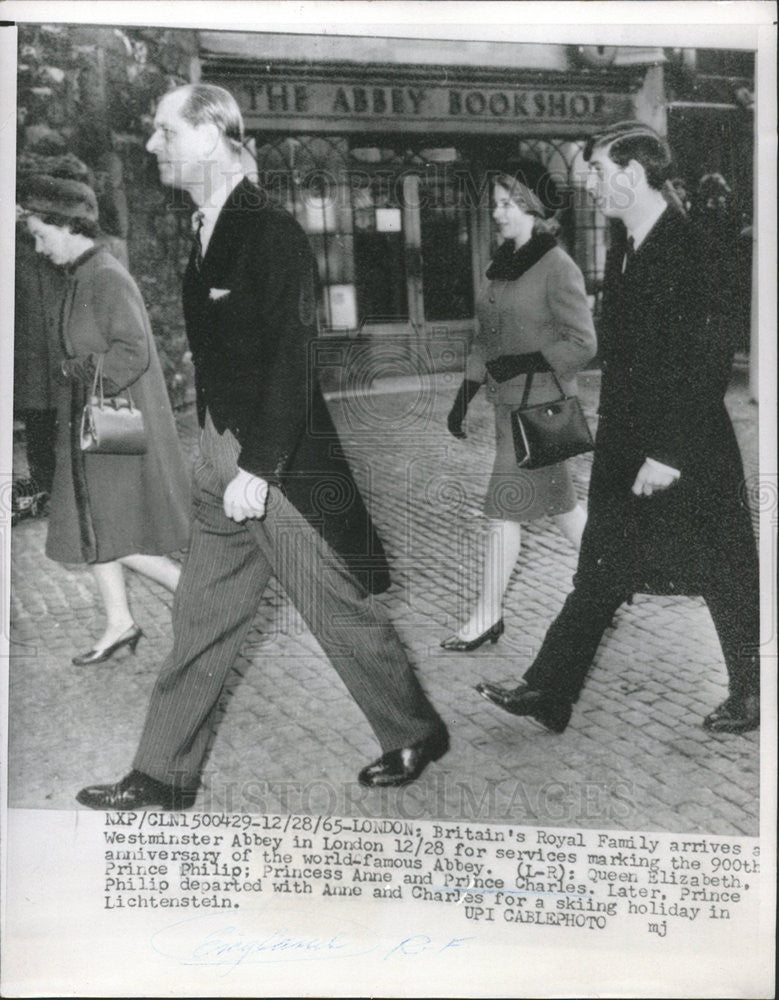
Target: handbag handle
[
  {"x": 97, "y": 384},
  {"x": 529, "y": 382},
  {"x": 97, "y": 381}
]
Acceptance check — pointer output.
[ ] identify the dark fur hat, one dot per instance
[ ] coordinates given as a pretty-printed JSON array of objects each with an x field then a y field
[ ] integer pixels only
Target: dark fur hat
[{"x": 41, "y": 194}]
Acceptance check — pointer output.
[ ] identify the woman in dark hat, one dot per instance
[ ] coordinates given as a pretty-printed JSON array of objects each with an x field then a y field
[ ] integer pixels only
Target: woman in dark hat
[
  {"x": 107, "y": 510},
  {"x": 533, "y": 317},
  {"x": 39, "y": 287}
]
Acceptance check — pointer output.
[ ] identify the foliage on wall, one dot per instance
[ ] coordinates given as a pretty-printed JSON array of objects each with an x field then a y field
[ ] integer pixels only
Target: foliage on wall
[{"x": 89, "y": 92}]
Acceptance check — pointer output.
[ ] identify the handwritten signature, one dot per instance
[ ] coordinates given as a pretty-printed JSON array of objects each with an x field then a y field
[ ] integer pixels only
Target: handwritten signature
[{"x": 266, "y": 936}]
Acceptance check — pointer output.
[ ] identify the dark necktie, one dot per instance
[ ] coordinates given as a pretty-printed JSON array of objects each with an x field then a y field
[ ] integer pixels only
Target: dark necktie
[
  {"x": 197, "y": 243},
  {"x": 630, "y": 253}
]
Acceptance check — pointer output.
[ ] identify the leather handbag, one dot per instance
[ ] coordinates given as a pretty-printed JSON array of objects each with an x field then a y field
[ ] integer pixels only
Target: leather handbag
[
  {"x": 548, "y": 433},
  {"x": 111, "y": 425}
]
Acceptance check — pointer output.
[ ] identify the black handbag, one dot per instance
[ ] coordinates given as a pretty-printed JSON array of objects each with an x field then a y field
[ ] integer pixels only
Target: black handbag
[
  {"x": 547, "y": 433},
  {"x": 111, "y": 425}
]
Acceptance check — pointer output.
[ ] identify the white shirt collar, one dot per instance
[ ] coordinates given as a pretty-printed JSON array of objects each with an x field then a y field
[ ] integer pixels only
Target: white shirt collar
[
  {"x": 640, "y": 233},
  {"x": 214, "y": 204}
]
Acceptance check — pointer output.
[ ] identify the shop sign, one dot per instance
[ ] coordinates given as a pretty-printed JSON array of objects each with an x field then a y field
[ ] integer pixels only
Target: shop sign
[{"x": 469, "y": 106}]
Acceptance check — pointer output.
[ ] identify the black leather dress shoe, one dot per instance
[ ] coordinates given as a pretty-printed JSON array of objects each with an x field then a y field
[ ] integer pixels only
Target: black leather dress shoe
[
  {"x": 553, "y": 713},
  {"x": 399, "y": 767},
  {"x": 737, "y": 714},
  {"x": 136, "y": 791}
]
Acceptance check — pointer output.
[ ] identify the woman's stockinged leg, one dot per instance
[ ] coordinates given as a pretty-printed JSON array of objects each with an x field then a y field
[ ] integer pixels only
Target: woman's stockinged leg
[
  {"x": 161, "y": 569},
  {"x": 572, "y": 524},
  {"x": 501, "y": 551},
  {"x": 502, "y": 547},
  {"x": 109, "y": 577}
]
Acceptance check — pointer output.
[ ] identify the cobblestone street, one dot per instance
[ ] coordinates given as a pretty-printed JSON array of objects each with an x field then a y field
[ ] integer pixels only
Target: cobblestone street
[{"x": 291, "y": 739}]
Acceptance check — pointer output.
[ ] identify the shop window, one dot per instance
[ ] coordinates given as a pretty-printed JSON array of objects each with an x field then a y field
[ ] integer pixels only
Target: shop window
[
  {"x": 582, "y": 227},
  {"x": 447, "y": 273},
  {"x": 379, "y": 249},
  {"x": 308, "y": 176},
  {"x": 374, "y": 251}
]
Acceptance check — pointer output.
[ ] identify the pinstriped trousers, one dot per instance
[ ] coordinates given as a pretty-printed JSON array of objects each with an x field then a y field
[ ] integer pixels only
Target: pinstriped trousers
[{"x": 226, "y": 571}]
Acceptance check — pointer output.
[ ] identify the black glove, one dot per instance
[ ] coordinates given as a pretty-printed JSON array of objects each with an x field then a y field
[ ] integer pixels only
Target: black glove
[
  {"x": 79, "y": 369},
  {"x": 510, "y": 365},
  {"x": 465, "y": 394}
]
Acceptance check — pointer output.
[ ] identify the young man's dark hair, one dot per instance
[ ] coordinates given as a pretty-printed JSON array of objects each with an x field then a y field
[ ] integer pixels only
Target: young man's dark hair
[{"x": 631, "y": 140}]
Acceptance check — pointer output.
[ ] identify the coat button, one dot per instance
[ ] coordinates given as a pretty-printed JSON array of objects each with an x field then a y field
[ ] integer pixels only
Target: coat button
[{"x": 492, "y": 298}]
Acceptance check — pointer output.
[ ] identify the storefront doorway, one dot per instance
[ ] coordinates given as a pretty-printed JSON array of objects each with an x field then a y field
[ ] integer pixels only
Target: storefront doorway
[
  {"x": 403, "y": 233},
  {"x": 393, "y": 229}
]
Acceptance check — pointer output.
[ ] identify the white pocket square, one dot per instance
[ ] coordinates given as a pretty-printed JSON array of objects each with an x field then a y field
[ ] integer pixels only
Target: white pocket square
[{"x": 218, "y": 293}]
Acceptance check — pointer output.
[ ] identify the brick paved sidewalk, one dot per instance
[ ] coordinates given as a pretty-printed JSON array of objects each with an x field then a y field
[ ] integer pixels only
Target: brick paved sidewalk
[{"x": 634, "y": 756}]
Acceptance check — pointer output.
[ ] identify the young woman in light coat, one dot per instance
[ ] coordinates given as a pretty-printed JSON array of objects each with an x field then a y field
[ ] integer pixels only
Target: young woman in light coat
[{"x": 533, "y": 317}]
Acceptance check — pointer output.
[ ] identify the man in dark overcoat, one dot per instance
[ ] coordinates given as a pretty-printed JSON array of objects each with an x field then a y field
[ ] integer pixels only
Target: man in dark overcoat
[
  {"x": 272, "y": 495},
  {"x": 666, "y": 511},
  {"x": 40, "y": 286}
]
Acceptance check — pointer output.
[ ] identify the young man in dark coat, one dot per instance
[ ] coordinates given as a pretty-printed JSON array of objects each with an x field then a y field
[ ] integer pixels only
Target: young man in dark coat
[
  {"x": 665, "y": 511},
  {"x": 272, "y": 497}
]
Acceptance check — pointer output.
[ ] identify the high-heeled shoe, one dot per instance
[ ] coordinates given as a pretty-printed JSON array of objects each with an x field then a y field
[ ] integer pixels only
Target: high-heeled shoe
[
  {"x": 457, "y": 645},
  {"x": 129, "y": 638}
]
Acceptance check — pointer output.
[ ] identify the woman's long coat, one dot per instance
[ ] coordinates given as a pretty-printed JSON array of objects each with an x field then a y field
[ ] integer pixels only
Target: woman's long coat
[
  {"x": 107, "y": 506},
  {"x": 544, "y": 311},
  {"x": 666, "y": 362}
]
